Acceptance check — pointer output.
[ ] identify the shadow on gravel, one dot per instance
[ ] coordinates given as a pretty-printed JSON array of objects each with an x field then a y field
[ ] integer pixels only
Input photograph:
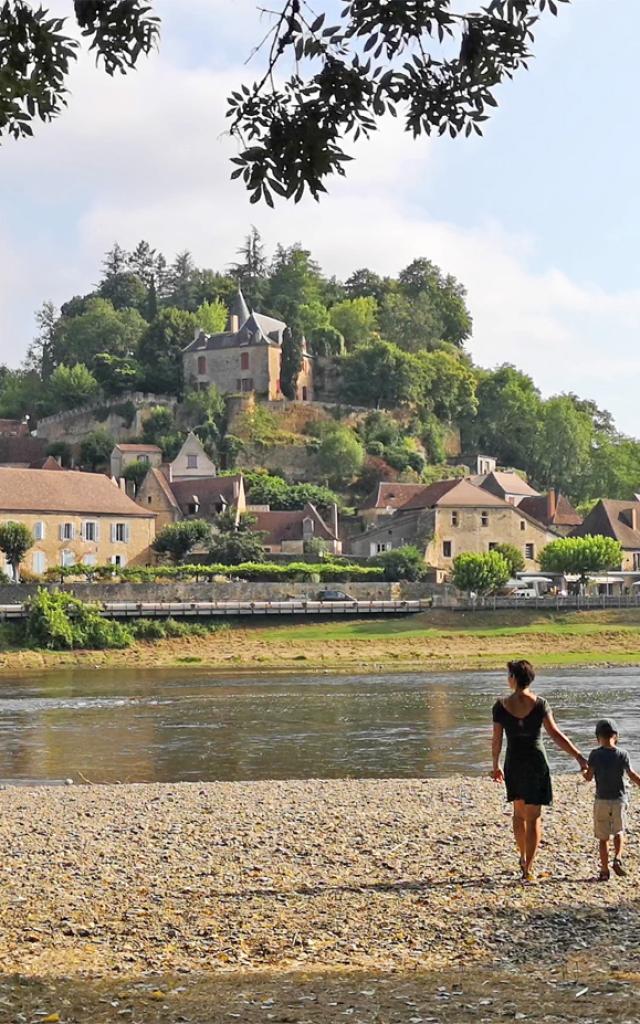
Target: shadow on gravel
[{"x": 462, "y": 997}]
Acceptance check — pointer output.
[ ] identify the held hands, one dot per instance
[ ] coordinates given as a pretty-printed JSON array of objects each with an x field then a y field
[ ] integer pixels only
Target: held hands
[
  {"x": 497, "y": 775},
  {"x": 582, "y": 761}
]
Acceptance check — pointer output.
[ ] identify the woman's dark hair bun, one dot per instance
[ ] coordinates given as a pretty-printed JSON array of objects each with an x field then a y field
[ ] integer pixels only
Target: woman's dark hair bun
[{"x": 522, "y": 671}]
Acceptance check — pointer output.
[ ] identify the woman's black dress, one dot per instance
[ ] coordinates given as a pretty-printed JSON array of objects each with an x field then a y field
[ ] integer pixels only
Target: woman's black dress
[{"x": 526, "y": 769}]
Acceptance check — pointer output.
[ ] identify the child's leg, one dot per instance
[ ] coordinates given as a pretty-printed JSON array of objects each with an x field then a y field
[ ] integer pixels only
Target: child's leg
[{"x": 618, "y": 845}]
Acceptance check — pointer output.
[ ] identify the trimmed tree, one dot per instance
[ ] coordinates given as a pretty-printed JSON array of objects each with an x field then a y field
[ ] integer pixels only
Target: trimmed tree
[
  {"x": 234, "y": 543},
  {"x": 405, "y": 563},
  {"x": 480, "y": 573},
  {"x": 581, "y": 555},
  {"x": 178, "y": 539},
  {"x": 514, "y": 557},
  {"x": 15, "y": 541}
]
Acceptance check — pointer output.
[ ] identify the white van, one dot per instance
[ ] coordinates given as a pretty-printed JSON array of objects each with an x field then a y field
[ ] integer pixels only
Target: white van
[{"x": 525, "y": 592}]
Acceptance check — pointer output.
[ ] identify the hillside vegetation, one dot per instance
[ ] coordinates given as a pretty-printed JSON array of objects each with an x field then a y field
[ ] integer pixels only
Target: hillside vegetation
[{"x": 400, "y": 346}]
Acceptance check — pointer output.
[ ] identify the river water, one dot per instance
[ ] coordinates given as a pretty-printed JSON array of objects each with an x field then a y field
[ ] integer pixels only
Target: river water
[{"x": 180, "y": 724}]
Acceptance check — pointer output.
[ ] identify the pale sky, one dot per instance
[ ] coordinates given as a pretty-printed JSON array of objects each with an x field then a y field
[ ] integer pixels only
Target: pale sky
[{"x": 538, "y": 219}]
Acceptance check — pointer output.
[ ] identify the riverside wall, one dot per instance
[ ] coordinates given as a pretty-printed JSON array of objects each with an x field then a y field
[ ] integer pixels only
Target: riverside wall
[{"x": 176, "y": 590}]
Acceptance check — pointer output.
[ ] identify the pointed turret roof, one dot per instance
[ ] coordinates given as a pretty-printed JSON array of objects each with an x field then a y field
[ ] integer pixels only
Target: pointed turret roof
[{"x": 239, "y": 308}]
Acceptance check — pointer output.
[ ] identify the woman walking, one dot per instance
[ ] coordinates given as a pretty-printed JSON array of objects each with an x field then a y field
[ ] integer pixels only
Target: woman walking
[{"x": 526, "y": 770}]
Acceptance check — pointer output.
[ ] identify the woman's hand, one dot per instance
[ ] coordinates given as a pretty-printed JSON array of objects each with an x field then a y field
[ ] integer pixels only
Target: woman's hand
[
  {"x": 582, "y": 761},
  {"x": 497, "y": 775}
]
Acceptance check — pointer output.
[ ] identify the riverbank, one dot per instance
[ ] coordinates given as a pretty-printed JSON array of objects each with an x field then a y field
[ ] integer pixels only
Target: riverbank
[
  {"x": 300, "y": 901},
  {"x": 435, "y": 640}
]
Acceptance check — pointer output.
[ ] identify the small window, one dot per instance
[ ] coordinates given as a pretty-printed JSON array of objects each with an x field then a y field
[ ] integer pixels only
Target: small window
[
  {"x": 90, "y": 530},
  {"x": 67, "y": 531},
  {"x": 67, "y": 558},
  {"x": 454, "y": 519},
  {"x": 530, "y": 551},
  {"x": 523, "y": 525},
  {"x": 383, "y": 547},
  {"x": 38, "y": 531},
  {"x": 304, "y": 393},
  {"x": 202, "y": 364},
  {"x": 118, "y": 560},
  {"x": 484, "y": 518},
  {"x": 120, "y": 533},
  {"x": 246, "y": 384},
  {"x": 143, "y": 458},
  {"x": 493, "y": 545},
  {"x": 192, "y": 461},
  {"x": 244, "y": 360},
  {"x": 446, "y": 549}
]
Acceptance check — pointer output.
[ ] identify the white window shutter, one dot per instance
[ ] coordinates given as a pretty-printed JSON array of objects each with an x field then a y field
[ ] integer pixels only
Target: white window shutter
[
  {"x": 61, "y": 531},
  {"x": 127, "y": 533},
  {"x": 97, "y": 530},
  {"x": 113, "y": 533}
]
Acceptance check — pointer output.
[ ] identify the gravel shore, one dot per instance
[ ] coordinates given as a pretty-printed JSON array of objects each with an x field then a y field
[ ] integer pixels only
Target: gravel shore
[{"x": 110, "y": 883}]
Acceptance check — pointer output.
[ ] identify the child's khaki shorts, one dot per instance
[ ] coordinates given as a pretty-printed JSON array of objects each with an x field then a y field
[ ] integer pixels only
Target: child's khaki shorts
[{"x": 609, "y": 818}]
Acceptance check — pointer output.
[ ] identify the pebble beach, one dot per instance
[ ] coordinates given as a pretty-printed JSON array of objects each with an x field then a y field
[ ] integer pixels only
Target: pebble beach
[{"x": 167, "y": 889}]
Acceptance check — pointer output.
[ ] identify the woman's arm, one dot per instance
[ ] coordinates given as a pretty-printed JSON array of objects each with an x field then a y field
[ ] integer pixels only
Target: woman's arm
[
  {"x": 496, "y": 747},
  {"x": 563, "y": 741}
]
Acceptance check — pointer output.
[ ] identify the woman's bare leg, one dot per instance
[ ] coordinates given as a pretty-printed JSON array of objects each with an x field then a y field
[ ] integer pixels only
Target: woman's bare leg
[
  {"x": 519, "y": 829},
  {"x": 533, "y": 832}
]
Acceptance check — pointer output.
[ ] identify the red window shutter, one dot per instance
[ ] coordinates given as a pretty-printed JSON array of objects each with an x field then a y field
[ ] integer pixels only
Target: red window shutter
[{"x": 244, "y": 360}]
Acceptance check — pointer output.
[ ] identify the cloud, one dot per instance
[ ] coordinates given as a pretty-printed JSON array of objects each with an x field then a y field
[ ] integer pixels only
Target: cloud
[{"x": 146, "y": 156}]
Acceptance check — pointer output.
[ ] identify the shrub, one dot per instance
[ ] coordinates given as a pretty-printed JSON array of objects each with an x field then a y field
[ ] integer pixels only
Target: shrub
[
  {"x": 60, "y": 621},
  {"x": 406, "y": 563}
]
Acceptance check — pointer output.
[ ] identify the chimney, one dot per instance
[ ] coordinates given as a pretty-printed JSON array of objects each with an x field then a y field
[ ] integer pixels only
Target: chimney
[
  {"x": 334, "y": 519},
  {"x": 234, "y": 323},
  {"x": 633, "y": 512},
  {"x": 552, "y": 504},
  {"x": 122, "y": 484}
]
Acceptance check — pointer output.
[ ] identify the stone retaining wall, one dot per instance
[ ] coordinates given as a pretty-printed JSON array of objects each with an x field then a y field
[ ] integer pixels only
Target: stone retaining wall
[{"x": 174, "y": 590}]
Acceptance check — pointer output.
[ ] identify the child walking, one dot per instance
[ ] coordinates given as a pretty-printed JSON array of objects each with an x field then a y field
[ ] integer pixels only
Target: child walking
[{"x": 608, "y": 765}]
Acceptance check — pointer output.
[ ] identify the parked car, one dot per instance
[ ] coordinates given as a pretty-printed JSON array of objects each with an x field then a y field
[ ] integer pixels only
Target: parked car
[
  {"x": 526, "y": 592},
  {"x": 334, "y": 595}
]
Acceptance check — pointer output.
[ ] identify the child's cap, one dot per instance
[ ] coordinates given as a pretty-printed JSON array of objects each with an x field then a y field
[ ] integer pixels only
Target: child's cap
[{"x": 606, "y": 727}]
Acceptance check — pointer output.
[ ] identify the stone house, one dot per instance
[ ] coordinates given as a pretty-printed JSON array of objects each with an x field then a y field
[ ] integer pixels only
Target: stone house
[
  {"x": 386, "y": 499},
  {"x": 453, "y": 516},
  {"x": 247, "y": 357},
  {"x": 192, "y": 461},
  {"x": 75, "y": 518},
  {"x": 504, "y": 484},
  {"x": 286, "y": 533},
  {"x": 552, "y": 509},
  {"x": 204, "y": 498},
  {"x": 124, "y": 455},
  {"x": 619, "y": 520}
]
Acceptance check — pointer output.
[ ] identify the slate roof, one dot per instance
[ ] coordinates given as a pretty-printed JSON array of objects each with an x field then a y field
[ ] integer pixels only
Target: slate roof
[
  {"x": 47, "y": 490},
  {"x": 391, "y": 495},
  {"x": 537, "y": 507},
  {"x": 287, "y": 526},
  {"x": 239, "y": 307},
  {"x": 612, "y": 519},
  {"x": 257, "y": 329},
  {"x": 452, "y": 494}
]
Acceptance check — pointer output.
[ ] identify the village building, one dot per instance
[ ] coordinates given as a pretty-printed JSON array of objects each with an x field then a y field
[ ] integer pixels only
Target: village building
[
  {"x": 553, "y": 510},
  {"x": 453, "y": 516},
  {"x": 22, "y": 451},
  {"x": 247, "y": 357},
  {"x": 288, "y": 533},
  {"x": 192, "y": 461},
  {"x": 205, "y": 498},
  {"x": 504, "y": 484},
  {"x": 386, "y": 499},
  {"x": 124, "y": 455},
  {"x": 619, "y": 520},
  {"x": 75, "y": 518}
]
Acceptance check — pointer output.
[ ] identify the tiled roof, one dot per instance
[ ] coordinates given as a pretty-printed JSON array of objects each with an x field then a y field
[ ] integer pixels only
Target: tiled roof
[
  {"x": 452, "y": 494},
  {"x": 50, "y": 463},
  {"x": 613, "y": 519},
  {"x": 207, "y": 489},
  {"x": 284, "y": 526},
  {"x": 13, "y": 428},
  {"x": 143, "y": 448},
  {"x": 391, "y": 495},
  {"x": 47, "y": 490},
  {"x": 25, "y": 450},
  {"x": 504, "y": 483},
  {"x": 537, "y": 506}
]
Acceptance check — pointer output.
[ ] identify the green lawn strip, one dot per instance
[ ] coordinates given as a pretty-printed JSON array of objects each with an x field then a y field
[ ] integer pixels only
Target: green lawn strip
[{"x": 372, "y": 630}]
